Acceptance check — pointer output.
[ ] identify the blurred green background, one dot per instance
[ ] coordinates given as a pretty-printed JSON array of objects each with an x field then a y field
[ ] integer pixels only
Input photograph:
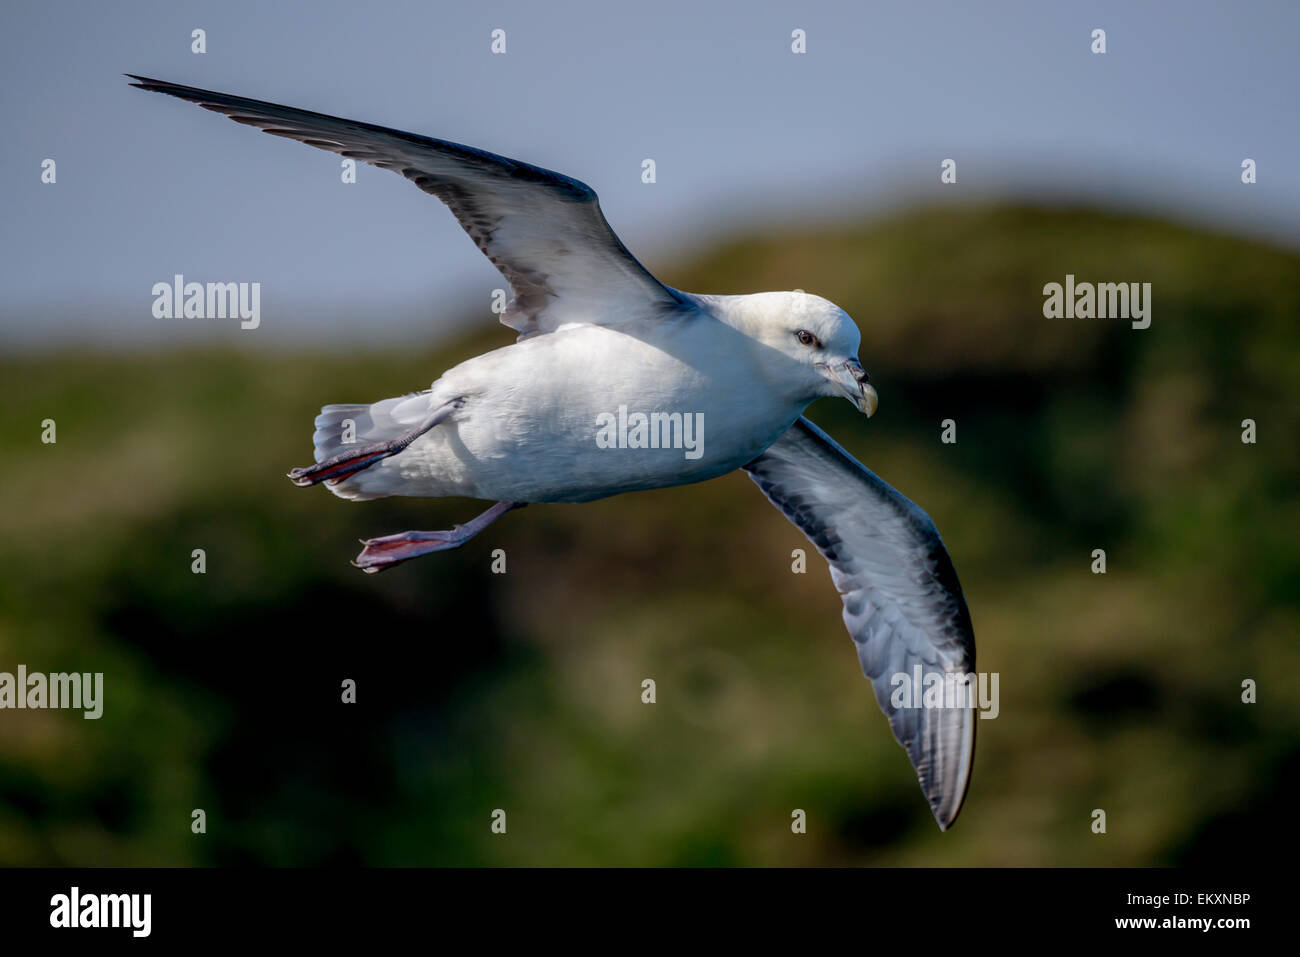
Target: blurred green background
[{"x": 522, "y": 691}]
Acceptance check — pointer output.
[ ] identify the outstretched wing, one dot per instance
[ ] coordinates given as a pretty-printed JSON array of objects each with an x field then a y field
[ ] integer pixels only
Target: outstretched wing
[
  {"x": 543, "y": 230},
  {"x": 903, "y": 605}
]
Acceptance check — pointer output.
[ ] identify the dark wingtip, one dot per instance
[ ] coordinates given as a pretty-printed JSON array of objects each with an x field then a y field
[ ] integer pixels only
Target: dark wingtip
[{"x": 159, "y": 86}]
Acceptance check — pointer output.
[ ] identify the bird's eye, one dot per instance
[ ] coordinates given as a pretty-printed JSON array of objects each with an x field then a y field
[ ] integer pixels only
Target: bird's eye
[{"x": 807, "y": 338}]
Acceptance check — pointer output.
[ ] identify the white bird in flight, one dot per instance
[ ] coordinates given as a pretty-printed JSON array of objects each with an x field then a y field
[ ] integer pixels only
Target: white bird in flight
[{"x": 599, "y": 335}]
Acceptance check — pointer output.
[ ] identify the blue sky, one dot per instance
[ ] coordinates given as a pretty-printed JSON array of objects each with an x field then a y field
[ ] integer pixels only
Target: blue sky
[{"x": 743, "y": 133}]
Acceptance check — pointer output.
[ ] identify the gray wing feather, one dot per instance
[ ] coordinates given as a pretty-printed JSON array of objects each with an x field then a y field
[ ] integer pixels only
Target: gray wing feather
[
  {"x": 544, "y": 231},
  {"x": 903, "y": 605}
]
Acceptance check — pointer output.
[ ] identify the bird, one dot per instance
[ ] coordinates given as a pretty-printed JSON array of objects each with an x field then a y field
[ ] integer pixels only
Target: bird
[{"x": 617, "y": 383}]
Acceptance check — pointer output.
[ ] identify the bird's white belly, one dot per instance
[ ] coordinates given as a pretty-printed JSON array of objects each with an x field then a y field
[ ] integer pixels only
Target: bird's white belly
[{"x": 588, "y": 412}]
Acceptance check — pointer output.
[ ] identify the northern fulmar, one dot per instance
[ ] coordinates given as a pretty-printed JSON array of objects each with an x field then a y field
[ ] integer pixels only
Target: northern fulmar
[{"x": 617, "y": 383}]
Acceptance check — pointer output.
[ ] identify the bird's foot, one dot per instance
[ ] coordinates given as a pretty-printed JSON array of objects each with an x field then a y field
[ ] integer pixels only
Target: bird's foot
[
  {"x": 338, "y": 467},
  {"x": 389, "y": 550}
]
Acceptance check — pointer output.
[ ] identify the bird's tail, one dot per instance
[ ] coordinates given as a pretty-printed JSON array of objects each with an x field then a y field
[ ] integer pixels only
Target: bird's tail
[{"x": 341, "y": 427}]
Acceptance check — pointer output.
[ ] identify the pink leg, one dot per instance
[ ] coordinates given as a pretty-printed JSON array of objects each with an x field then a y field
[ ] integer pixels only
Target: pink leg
[{"x": 390, "y": 550}]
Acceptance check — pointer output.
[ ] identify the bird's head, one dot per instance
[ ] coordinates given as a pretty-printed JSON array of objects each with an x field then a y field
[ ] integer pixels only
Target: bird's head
[{"x": 820, "y": 338}]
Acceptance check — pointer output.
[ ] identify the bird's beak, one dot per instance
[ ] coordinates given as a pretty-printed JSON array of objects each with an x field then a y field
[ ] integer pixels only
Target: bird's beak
[{"x": 854, "y": 383}]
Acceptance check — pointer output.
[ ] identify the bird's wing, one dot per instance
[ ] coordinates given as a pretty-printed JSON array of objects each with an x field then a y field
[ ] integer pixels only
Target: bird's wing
[
  {"x": 903, "y": 605},
  {"x": 543, "y": 230}
]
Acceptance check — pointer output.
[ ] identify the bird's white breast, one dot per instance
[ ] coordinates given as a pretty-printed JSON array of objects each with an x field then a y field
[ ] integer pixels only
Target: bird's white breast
[{"x": 531, "y": 427}]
